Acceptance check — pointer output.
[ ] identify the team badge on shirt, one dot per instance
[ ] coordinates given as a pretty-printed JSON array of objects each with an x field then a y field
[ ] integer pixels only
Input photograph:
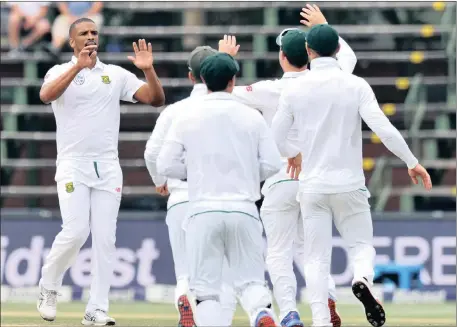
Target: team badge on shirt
[
  {"x": 105, "y": 79},
  {"x": 79, "y": 79},
  {"x": 69, "y": 187}
]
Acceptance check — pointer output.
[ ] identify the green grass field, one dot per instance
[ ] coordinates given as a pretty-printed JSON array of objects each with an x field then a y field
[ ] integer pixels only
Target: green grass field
[{"x": 149, "y": 314}]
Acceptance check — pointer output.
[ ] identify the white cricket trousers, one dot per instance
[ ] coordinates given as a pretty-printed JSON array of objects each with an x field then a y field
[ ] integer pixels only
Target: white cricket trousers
[
  {"x": 176, "y": 215},
  {"x": 351, "y": 213},
  {"x": 283, "y": 226},
  {"x": 89, "y": 196},
  {"x": 238, "y": 236}
]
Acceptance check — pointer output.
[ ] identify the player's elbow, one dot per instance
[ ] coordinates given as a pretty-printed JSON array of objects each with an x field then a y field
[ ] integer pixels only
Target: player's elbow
[
  {"x": 45, "y": 96},
  {"x": 158, "y": 100}
]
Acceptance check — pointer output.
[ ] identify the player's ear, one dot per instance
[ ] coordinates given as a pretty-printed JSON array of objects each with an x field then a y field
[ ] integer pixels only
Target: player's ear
[
  {"x": 191, "y": 77},
  {"x": 337, "y": 49},
  {"x": 72, "y": 43},
  {"x": 231, "y": 84}
]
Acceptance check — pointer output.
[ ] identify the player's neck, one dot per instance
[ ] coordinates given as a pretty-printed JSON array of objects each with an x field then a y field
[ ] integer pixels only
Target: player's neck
[{"x": 291, "y": 68}]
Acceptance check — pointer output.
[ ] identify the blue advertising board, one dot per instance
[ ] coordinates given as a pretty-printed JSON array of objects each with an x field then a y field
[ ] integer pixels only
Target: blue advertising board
[{"x": 144, "y": 256}]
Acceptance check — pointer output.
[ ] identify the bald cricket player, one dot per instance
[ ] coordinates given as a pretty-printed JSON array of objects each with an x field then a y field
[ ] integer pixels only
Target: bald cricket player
[
  {"x": 229, "y": 151},
  {"x": 85, "y": 96},
  {"x": 326, "y": 108}
]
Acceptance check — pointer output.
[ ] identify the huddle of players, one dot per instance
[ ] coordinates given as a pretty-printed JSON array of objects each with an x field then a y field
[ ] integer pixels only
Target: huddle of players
[{"x": 221, "y": 148}]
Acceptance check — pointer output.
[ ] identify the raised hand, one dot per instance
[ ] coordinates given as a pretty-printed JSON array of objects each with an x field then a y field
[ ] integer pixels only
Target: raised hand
[
  {"x": 143, "y": 58},
  {"x": 228, "y": 45},
  {"x": 86, "y": 56},
  {"x": 312, "y": 16}
]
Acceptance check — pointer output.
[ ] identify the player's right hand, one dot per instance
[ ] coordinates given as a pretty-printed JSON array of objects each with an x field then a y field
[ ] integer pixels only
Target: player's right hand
[
  {"x": 420, "y": 171},
  {"x": 162, "y": 190},
  {"x": 294, "y": 166},
  {"x": 84, "y": 59},
  {"x": 312, "y": 16},
  {"x": 228, "y": 45}
]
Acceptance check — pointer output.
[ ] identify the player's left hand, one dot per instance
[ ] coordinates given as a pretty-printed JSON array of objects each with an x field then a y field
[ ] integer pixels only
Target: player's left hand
[
  {"x": 294, "y": 166},
  {"x": 228, "y": 45},
  {"x": 312, "y": 16},
  {"x": 143, "y": 58}
]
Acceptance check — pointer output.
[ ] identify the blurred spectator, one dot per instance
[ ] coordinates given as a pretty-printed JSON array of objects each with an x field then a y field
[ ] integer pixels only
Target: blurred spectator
[
  {"x": 29, "y": 17},
  {"x": 69, "y": 12}
]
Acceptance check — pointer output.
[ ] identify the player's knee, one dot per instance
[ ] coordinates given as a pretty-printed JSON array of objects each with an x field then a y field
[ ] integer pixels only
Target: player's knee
[
  {"x": 255, "y": 296},
  {"x": 14, "y": 18},
  {"x": 78, "y": 235}
]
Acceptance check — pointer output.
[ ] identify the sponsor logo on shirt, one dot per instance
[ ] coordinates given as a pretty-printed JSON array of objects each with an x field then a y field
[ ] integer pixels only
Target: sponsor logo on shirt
[
  {"x": 249, "y": 88},
  {"x": 79, "y": 79},
  {"x": 105, "y": 79},
  {"x": 118, "y": 189}
]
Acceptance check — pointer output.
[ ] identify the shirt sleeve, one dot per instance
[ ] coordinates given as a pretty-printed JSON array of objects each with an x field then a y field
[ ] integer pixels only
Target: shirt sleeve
[
  {"x": 346, "y": 57},
  {"x": 269, "y": 157},
  {"x": 258, "y": 95},
  {"x": 372, "y": 114},
  {"x": 282, "y": 122},
  {"x": 52, "y": 74},
  {"x": 170, "y": 162},
  {"x": 155, "y": 143},
  {"x": 130, "y": 84}
]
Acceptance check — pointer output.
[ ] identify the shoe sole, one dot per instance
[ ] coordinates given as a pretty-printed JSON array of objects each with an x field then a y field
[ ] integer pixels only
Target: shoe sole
[
  {"x": 294, "y": 324},
  {"x": 266, "y": 321},
  {"x": 334, "y": 316},
  {"x": 186, "y": 315},
  {"x": 91, "y": 323},
  {"x": 374, "y": 311}
]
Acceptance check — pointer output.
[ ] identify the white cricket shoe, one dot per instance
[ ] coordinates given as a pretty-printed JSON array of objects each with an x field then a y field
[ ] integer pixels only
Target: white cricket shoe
[
  {"x": 97, "y": 318},
  {"x": 47, "y": 304}
]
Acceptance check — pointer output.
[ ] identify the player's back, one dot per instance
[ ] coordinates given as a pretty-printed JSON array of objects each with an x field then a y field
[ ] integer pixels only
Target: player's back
[
  {"x": 222, "y": 143},
  {"x": 325, "y": 104}
]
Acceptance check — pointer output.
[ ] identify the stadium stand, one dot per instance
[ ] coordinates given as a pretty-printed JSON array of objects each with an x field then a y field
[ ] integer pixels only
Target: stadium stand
[{"x": 405, "y": 50}]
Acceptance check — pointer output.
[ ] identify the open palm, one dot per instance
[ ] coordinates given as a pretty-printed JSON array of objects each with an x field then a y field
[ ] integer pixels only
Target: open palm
[{"x": 143, "y": 55}]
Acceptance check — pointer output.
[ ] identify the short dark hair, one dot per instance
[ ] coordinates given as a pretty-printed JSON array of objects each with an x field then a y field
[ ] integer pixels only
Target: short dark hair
[
  {"x": 76, "y": 22},
  {"x": 297, "y": 61}
]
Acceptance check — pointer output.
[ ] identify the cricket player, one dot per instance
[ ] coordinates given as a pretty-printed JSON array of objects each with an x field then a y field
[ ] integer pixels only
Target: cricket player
[
  {"x": 228, "y": 152},
  {"x": 85, "y": 96},
  {"x": 326, "y": 108},
  {"x": 178, "y": 201},
  {"x": 280, "y": 211}
]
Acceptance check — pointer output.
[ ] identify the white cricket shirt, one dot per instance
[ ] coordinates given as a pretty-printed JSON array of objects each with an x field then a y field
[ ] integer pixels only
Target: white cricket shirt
[
  {"x": 178, "y": 189},
  {"x": 88, "y": 112},
  {"x": 264, "y": 96},
  {"x": 229, "y": 151},
  {"x": 327, "y": 106}
]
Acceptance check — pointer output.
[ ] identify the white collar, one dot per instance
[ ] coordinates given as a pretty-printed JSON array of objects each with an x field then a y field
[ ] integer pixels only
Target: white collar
[
  {"x": 98, "y": 63},
  {"x": 294, "y": 74},
  {"x": 199, "y": 89},
  {"x": 221, "y": 95},
  {"x": 323, "y": 63}
]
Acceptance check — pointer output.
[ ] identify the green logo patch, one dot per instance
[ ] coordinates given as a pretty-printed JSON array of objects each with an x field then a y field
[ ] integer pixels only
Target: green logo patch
[{"x": 69, "y": 187}]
